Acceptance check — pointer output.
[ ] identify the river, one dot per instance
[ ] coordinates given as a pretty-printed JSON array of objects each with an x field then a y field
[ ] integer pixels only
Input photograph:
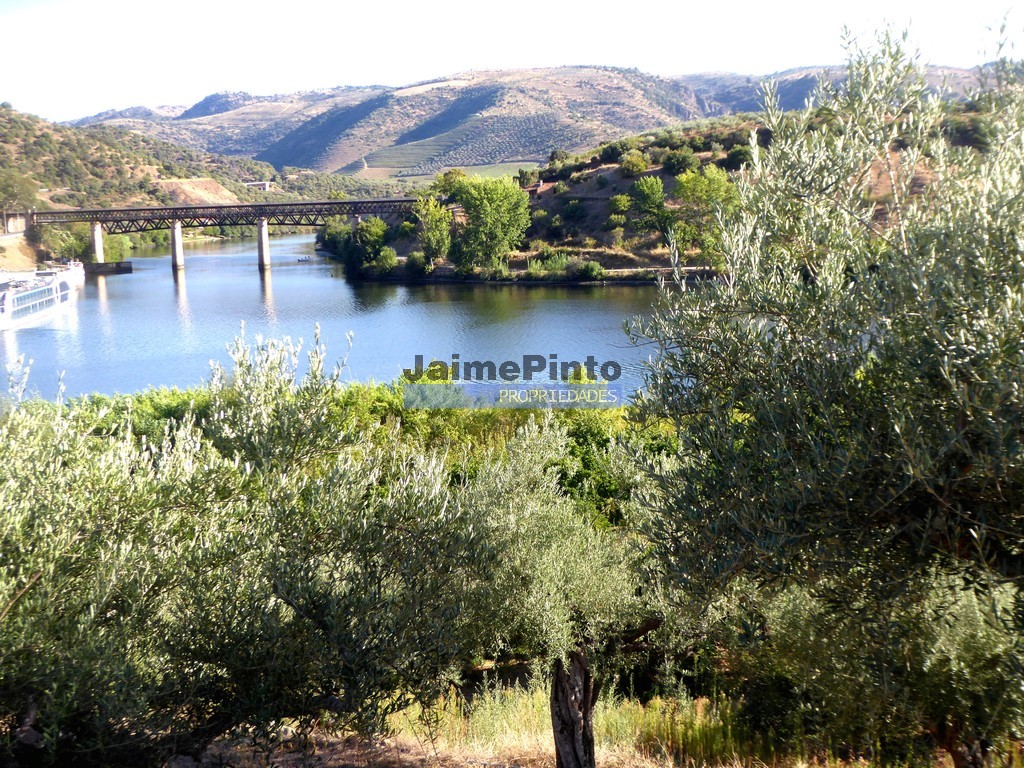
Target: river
[{"x": 151, "y": 329}]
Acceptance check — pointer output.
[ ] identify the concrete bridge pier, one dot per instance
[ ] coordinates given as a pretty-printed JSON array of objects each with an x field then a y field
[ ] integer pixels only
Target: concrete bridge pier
[
  {"x": 177, "y": 252},
  {"x": 14, "y": 223},
  {"x": 263, "y": 243},
  {"x": 97, "y": 242}
]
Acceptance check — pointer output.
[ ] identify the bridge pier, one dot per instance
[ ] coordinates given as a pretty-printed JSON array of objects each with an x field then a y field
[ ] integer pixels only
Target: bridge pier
[
  {"x": 177, "y": 252},
  {"x": 263, "y": 243},
  {"x": 15, "y": 222},
  {"x": 97, "y": 242}
]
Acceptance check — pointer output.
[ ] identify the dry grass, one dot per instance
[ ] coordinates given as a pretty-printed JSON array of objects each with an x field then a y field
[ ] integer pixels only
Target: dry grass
[
  {"x": 510, "y": 727},
  {"x": 16, "y": 255},
  {"x": 197, "y": 192}
]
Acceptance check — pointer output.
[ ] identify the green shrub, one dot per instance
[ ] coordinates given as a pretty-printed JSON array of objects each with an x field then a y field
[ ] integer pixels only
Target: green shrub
[
  {"x": 619, "y": 203},
  {"x": 556, "y": 229},
  {"x": 588, "y": 271},
  {"x": 574, "y": 211},
  {"x": 558, "y": 261},
  {"x": 680, "y": 160},
  {"x": 738, "y": 156},
  {"x": 499, "y": 271},
  {"x": 613, "y": 152},
  {"x": 633, "y": 163},
  {"x": 385, "y": 261},
  {"x": 545, "y": 252},
  {"x": 535, "y": 270},
  {"x": 416, "y": 264}
]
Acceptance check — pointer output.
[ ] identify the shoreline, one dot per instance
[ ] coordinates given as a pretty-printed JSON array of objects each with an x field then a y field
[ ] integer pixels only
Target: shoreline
[{"x": 643, "y": 276}]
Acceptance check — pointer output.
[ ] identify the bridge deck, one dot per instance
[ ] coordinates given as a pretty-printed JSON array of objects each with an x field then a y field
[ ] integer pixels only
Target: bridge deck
[{"x": 306, "y": 213}]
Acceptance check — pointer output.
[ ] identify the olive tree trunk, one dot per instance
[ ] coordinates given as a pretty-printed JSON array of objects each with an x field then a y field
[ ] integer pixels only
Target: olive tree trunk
[
  {"x": 966, "y": 750},
  {"x": 573, "y": 696}
]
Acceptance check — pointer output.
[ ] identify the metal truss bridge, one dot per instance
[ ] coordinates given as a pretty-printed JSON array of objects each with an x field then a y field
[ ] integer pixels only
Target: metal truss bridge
[{"x": 116, "y": 221}]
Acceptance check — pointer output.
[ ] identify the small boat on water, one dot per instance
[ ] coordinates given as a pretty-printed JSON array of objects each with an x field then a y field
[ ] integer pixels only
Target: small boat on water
[{"x": 28, "y": 300}]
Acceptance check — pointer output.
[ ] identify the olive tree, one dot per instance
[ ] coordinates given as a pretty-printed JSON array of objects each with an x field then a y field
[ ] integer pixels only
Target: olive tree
[
  {"x": 365, "y": 591},
  {"x": 847, "y": 396},
  {"x": 562, "y": 590},
  {"x": 96, "y": 529},
  {"x": 261, "y": 566}
]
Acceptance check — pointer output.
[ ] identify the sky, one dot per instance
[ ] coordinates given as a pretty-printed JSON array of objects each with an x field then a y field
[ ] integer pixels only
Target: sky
[{"x": 64, "y": 59}]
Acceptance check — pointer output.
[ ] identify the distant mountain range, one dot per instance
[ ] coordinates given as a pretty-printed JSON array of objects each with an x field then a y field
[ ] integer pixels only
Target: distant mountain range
[{"x": 475, "y": 119}]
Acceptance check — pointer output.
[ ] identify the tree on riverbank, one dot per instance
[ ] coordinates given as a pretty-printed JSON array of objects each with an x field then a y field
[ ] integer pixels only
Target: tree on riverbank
[
  {"x": 702, "y": 195},
  {"x": 497, "y": 214},
  {"x": 434, "y": 226},
  {"x": 363, "y": 248}
]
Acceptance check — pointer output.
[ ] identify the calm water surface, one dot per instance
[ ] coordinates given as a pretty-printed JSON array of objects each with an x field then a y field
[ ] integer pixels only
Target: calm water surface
[{"x": 150, "y": 329}]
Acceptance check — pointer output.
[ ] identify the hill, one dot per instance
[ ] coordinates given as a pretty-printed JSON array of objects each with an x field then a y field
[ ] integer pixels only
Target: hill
[
  {"x": 484, "y": 118},
  {"x": 231, "y": 123},
  {"x": 499, "y": 120},
  {"x": 474, "y": 119},
  {"x": 101, "y": 165},
  {"x": 722, "y": 93}
]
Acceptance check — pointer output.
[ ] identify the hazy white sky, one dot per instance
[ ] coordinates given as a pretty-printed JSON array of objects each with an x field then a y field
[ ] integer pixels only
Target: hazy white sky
[{"x": 70, "y": 58}]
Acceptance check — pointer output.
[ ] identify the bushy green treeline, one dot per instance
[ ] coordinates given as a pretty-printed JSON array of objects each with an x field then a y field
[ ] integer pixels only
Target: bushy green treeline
[
  {"x": 277, "y": 550},
  {"x": 267, "y": 551},
  {"x": 493, "y": 217}
]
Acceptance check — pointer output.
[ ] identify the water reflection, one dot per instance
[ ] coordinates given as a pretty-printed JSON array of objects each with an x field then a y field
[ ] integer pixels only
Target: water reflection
[
  {"x": 267, "y": 292},
  {"x": 11, "y": 352},
  {"x": 101, "y": 295},
  {"x": 181, "y": 300},
  {"x": 159, "y": 327},
  {"x": 372, "y": 296},
  {"x": 102, "y": 306}
]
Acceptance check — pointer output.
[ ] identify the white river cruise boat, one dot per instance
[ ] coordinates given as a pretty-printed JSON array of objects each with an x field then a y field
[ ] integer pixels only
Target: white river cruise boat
[{"x": 34, "y": 298}]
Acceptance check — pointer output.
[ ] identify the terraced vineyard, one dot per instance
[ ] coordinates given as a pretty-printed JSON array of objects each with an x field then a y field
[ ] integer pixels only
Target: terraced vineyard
[{"x": 480, "y": 141}]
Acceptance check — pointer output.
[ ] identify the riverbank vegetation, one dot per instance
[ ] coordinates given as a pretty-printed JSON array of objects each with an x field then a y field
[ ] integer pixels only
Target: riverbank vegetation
[
  {"x": 802, "y": 543},
  {"x": 604, "y": 215}
]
